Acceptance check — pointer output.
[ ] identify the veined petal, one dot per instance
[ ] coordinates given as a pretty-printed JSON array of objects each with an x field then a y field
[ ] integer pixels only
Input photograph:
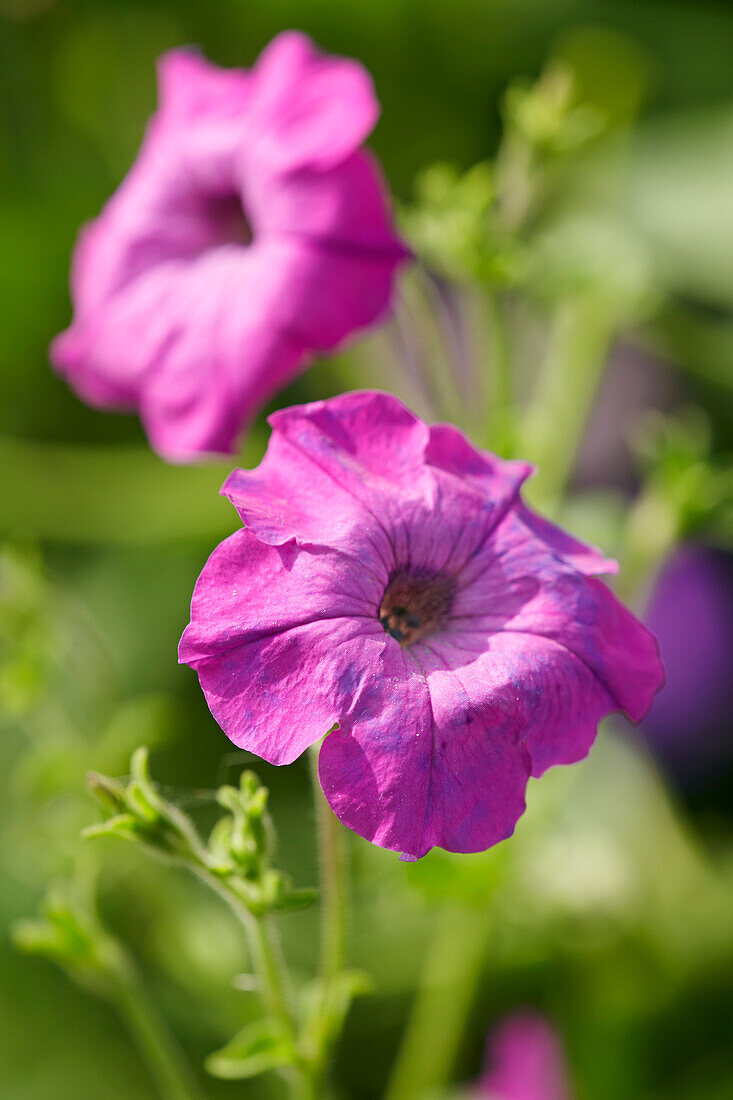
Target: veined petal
[
  {"x": 498, "y": 479},
  {"x": 282, "y": 647},
  {"x": 248, "y": 590},
  {"x": 581, "y": 555},
  {"x": 435, "y": 765},
  {"x": 519, "y": 584},
  {"x": 551, "y": 699},
  {"x": 279, "y": 694},
  {"x": 483, "y": 651},
  {"x": 354, "y": 471},
  {"x": 327, "y": 471}
]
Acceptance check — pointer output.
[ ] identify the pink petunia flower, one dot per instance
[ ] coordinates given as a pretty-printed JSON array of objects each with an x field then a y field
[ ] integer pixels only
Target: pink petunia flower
[
  {"x": 251, "y": 232},
  {"x": 389, "y": 578},
  {"x": 525, "y": 1061}
]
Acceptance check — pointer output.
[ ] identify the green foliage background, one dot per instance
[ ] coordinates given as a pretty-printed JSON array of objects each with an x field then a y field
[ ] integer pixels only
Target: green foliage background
[{"x": 104, "y": 543}]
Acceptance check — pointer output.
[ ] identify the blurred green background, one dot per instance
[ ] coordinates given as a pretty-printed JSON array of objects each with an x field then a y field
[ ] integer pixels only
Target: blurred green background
[{"x": 616, "y": 917}]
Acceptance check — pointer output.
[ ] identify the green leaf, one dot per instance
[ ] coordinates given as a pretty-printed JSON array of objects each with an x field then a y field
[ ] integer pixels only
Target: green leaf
[
  {"x": 259, "y": 1047},
  {"x": 69, "y": 933},
  {"x": 139, "y": 800},
  {"x": 108, "y": 793},
  {"x": 124, "y": 825},
  {"x": 293, "y": 898}
]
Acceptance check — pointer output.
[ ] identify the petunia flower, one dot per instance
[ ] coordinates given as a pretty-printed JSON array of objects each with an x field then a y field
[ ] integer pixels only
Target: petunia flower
[
  {"x": 524, "y": 1061},
  {"x": 252, "y": 231},
  {"x": 388, "y": 578}
]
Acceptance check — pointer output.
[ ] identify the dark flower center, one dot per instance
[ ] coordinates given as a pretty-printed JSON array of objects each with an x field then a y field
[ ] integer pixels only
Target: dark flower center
[
  {"x": 227, "y": 217},
  {"x": 415, "y": 604}
]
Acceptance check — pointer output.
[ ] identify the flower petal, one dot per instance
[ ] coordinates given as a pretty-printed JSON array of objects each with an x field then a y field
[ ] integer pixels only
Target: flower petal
[
  {"x": 352, "y": 472},
  {"x": 162, "y": 210},
  {"x": 519, "y": 585},
  {"x": 444, "y": 761},
  {"x": 190, "y": 86},
  {"x": 581, "y": 555},
  {"x": 432, "y": 762},
  {"x": 248, "y": 590},
  {"x": 280, "y": 694},
  {"x": 325, "y": 464},
  {"x": 197, "y": 344},
  {"x": 201, "y": 344},
  {"x": 347, "y": 207},
  {"x": 308, "y": 109},
  {"x": 346, "y": 247},
  {"x": 282, "y": 651},
  {"x": 498, "y": 478},
  {"x": 526, "y": 1061},
  {"x": 213, "y": 274},
  {"x": 554, "y": 700}
]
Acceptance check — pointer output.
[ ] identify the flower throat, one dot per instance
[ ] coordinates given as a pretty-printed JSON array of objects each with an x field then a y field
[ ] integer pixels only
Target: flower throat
[{"x": 415, "y": 604}]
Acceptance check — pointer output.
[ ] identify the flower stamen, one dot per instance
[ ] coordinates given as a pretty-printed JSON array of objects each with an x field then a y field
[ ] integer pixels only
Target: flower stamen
[{"x": 415, "y": 604}]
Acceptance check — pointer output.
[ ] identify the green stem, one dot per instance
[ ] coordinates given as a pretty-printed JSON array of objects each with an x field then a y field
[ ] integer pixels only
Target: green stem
[
  {"x": 267, "y": 957},
  {"x": 443, "y": 1000},
  {"x": 499, "y": 417},
  {"x": 515, "y": 182},
  {"x": 267, "y": 961},
  {"x": 333, "y": 893},
  {"x": 264, "y": 950},
  {"x": 652, "y": 529},
  {"x": 424, "y": 317},
  {"x": 157, "y": 1046},
  {"x": 557, "y": 417}
]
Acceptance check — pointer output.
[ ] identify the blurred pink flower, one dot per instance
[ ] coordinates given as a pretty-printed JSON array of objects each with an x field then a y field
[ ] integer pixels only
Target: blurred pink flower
[
  {"x": 691, "y": 611},
  {"x": 525, "y": 1061},
  {"x": 389, "y": 578},
  {"x": 251, "y": 232}
]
